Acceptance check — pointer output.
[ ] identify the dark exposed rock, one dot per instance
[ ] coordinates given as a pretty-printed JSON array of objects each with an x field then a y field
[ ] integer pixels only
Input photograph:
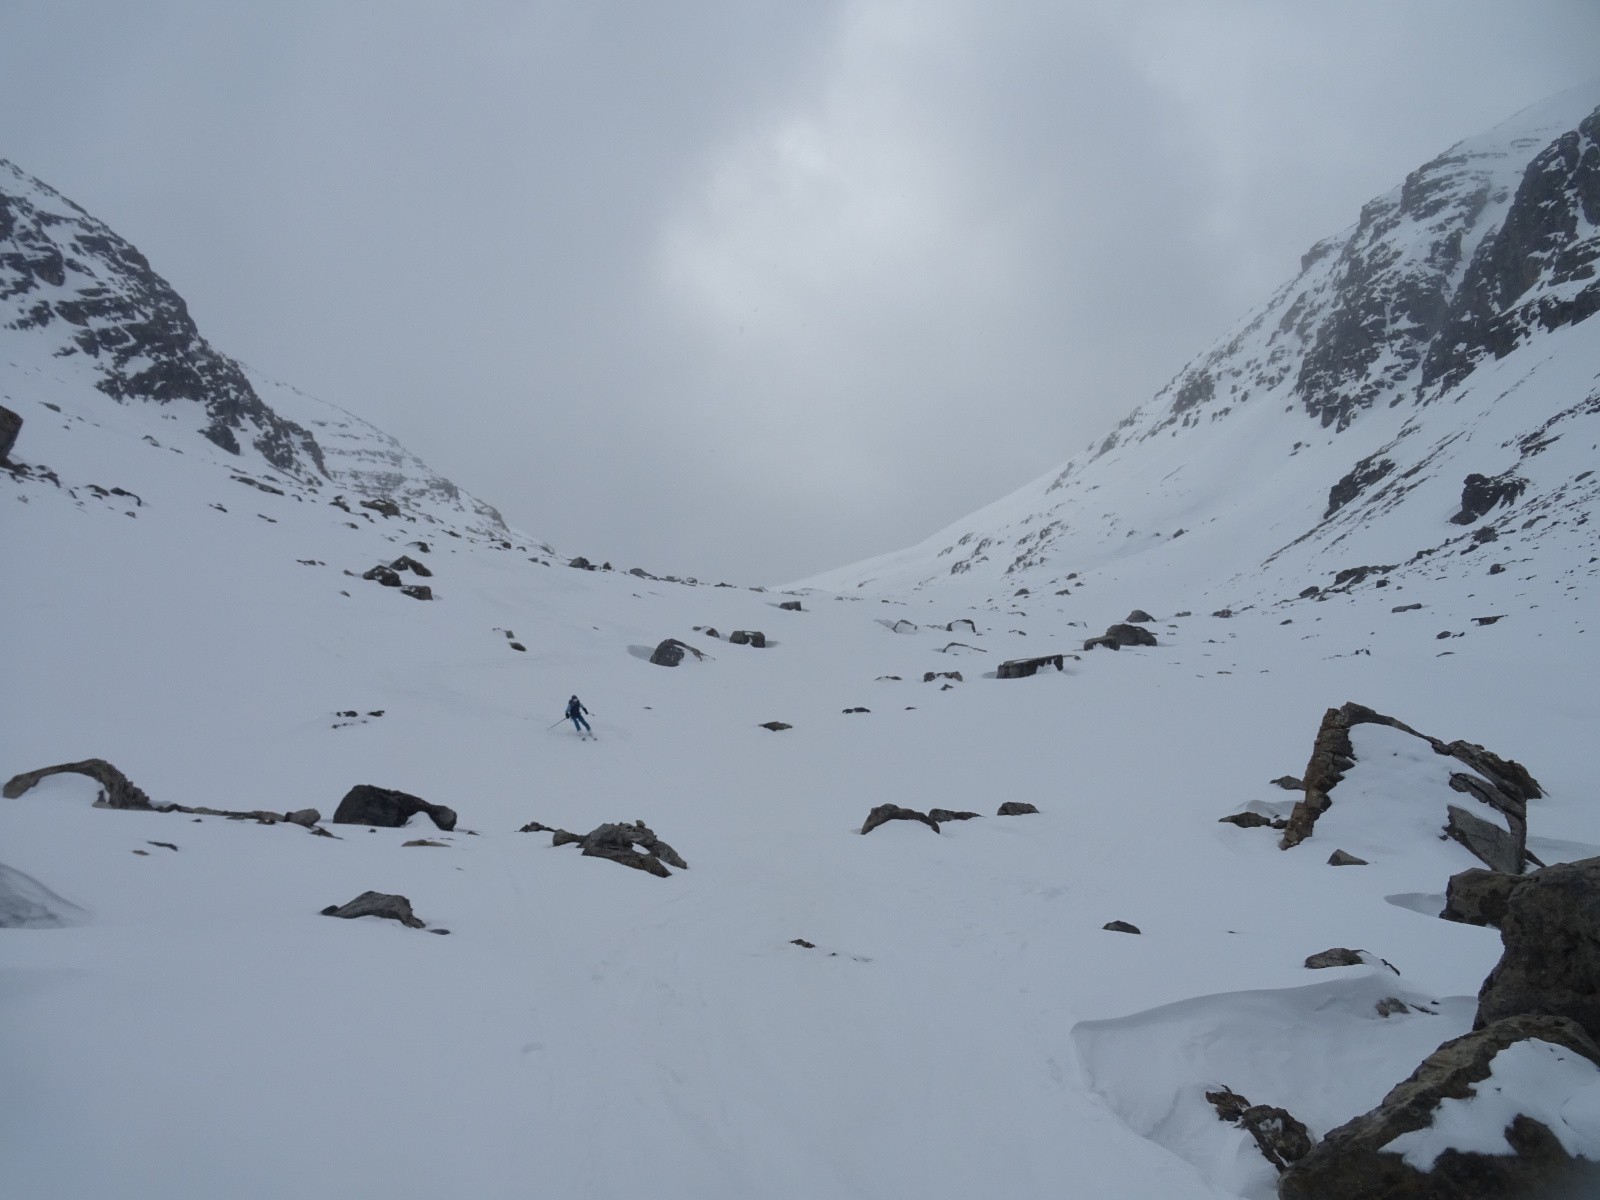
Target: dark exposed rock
[
  {"x": 670, "y": 652},
  {"x": 1357, "y": 480},
  {"x": 406, "y": 563},
  {"x": 1246, "y": 820},
  {"x": 1289, "y": 783},
  {"x": 1551, "y": 961},
  {"x": 582, "y": 564},
  {"x": 425, "y": 842},
  {"x": 1498, "y": 849},
  {"x": 1391, "y": 1006},
  {"x": 417, "y": 591},
  {"x": 893, "y": 812},
  {"x": 1121, "y": 635},
  {"x": 366, "y": 804},
  {"x": 791, "y": 606},
  {"x": 752, "y": 637},
  {"x": 1020, "y": 668},
  {"x": 383, "y": 575},
  {"x": 1482, "y": 493},
  {"x": 1281, "y": 1139},
  {"x": 1138, "y": 615},
  {"x": 930, "y": 676},
  {"x": 10, "y": 426},
  {"x": 1400, "y": 608},
  {"x": 116, "y": 790},
  {"x": 1338, "y": 956},
  {"x": 941, "y": 815},
  {"x": 630, "y": 844},
  {"x": 1479, "y": 897},
  {"x": 377, "y": 904},
  {"x": 304, "y": 817},
  {"x": 1016, "y": 808},
  {"x": 971, "y": 625},
  {"x": 1340, "y": 858},
  {"x": 383, "y": 507},
  {"x": 1355, "y": 1160},
  {"x": 857, "y": 709},
  {"x": 1120, "y": 927},
  {"x": 776, "y": 726},
  {"x": 1223, "y": 613}
]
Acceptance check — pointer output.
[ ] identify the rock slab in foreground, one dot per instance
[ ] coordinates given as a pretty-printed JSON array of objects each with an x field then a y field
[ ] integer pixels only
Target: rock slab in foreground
[
  {"x": 633, "y": 845},
  {"x": 366, "y": 804},
  {"x": 1371, "y": 1156}
]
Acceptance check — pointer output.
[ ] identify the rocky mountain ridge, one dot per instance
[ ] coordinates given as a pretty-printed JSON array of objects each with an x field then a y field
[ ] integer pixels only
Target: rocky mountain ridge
[
  {"x": 1441, "y": 337},
  {"x": 76, "y": 299}
]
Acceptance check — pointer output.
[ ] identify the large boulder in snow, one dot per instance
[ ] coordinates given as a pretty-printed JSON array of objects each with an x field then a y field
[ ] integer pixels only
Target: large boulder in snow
[
  {"x": 1124, "y": 634},
  {"x": 1551, "y": 962},
  {"x": 366, "y": 804},
  {"x": 10, "y": 426},
  {"x": 116, "y": 790},
  {"x": 1479, "y": 897},
  {"x": 377, "y": 904},
  {"x": 1480, "y": 1119},
  {"x": 670, "y": 652},
  {"x": 1021, "y": 668}
]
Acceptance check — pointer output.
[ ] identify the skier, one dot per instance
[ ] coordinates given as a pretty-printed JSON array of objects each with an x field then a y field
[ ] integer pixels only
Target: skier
[{"x": 575, "y": 714}]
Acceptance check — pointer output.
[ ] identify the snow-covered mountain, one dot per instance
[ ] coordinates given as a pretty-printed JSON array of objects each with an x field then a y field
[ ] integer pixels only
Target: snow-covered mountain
[
  {"x": 80, "y": 305},
  {"x": 1419, "y": 402},
  {"x": 249, "y": 603}
]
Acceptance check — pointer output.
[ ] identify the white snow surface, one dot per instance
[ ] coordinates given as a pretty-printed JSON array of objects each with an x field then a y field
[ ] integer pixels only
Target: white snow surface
[{"x": 961, "y": 1024}]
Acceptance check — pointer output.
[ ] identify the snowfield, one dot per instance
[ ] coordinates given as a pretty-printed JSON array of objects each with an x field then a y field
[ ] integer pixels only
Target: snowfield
[{"x": 961, "y": 1024}]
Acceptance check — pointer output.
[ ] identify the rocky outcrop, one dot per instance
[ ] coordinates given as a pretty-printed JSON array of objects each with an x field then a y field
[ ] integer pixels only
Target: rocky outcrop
[
  {"x": 632, "y": 845},
  {"x": 10, "y": 426},
  {"x": 377, "y": 904},
  {"x": 1385, "y": 1153},
  {"x": 1120, "y": 927},
  {"x": 1551, "y": 961},
  {"x": 1338, "y": 956},
  {"x": 116, "y": 790},
  {"x": 1537, "y": 270},
  {"x": 941, "y": 815},
  {"x": 1016, "y": 808},
  {"x": 893, "y": 812},
  {"x": 366, "y": 804},
  {"x": 1480, "y": 493},
  {"x": 1118, "y": 636},
  {"x": 747, "y": 637},
  {"x": 65, "y": 274},
  {"x": 670, "y": 652},
  {"x": 1502, "y": 784},
  {"x": 1281, "y": 1139},
  {"x": 1018, "y": 668},
  {"x": 1479, "y": 897}
]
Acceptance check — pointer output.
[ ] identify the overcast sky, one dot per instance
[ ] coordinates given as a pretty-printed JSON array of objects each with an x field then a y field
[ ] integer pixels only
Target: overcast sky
[{"x": 746, "y": 290}]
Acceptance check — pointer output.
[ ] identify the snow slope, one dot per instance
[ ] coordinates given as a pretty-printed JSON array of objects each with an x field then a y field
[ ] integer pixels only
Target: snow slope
[{"x": 960, "y": 1024}]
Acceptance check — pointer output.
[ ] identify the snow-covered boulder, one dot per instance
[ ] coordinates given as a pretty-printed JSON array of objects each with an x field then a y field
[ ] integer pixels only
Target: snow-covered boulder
[{"x": 1509, "y": 1110}]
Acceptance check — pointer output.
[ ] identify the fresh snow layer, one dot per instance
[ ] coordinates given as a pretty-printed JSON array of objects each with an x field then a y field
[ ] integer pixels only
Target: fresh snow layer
[
  {"x": 963, "y": 1024},
  {"x": 1551, "y": 1084}
]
